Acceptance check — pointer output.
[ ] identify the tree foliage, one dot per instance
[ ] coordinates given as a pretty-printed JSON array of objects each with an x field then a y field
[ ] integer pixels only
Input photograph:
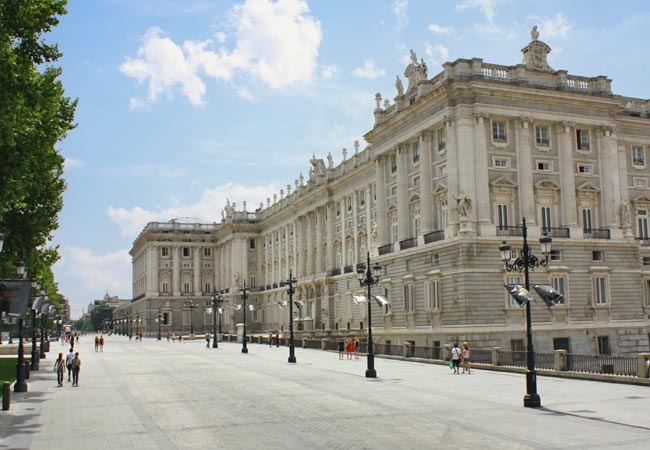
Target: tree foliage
[{"x": 35, "y": 115}]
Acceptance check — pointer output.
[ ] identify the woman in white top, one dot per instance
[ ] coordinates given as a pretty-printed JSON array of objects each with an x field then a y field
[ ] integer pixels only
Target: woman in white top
[{"x": 467, "y": 354}]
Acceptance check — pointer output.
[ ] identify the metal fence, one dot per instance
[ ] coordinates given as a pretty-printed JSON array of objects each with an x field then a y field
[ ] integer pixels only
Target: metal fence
[{"x": 607, "y": 364}]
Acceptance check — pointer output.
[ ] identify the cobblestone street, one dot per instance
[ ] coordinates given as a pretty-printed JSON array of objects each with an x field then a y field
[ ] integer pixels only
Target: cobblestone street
[{"x": 183, "y": 396}]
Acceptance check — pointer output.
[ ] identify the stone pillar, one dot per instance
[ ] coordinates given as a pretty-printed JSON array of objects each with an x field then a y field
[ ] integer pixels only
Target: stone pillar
[
  {"x": 243, "y": 260},
  {"x": 496, "y": 356},
  {"x": 403, "y": 229},
  {"x": 344, "y": 256},
  {"x": 368, "y": 218},
  {"x": 426, "y": 190},
  {"x": 309, "y": 269},
  {"x": 319, "y": 240},
  {"x": 355, "y": 227},
  {"x": 560, "y": 360},
  {"x": 642, "y": 365},
  {"x": 610, "y": 189},
  {"x": 287, "y": 233},
  {"x": 382, "y": 230},
  {"x": 176, "y": 270},
  {"x": 466, "y": 173},
  {"x": 153, "y": 272},
  {"x": 216, "y": 263},
  {"x": 567, "y": 178},
  {"x": 331, "y": 258},
  {"x": 452, "y": 177},
  {"x": 481, "y": 167},
  {"x": 622, "y": 181},
  {"x": 299, "y": 247},
  {"x": 197, "y": 271},
  {"x": 525, "y": 173}
]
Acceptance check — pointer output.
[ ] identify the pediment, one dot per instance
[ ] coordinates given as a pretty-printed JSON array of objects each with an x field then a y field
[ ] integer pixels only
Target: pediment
[
  {"x": 547, "y": 184},
  {"x": 504, "y": 182},
  {"x": 440, "y": 188},
  {"x": 414, "y": 198},
  {"x": 588, "y": 187},
  {"x": 642, "y": 198}
]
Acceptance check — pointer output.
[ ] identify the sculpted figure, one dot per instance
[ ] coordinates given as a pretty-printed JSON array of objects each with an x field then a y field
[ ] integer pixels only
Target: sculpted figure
[
  {"x": 626, "y": 214},
  {"x": 534, "y": 33},
  {"x": 330, "y": 161},
  {"x": 399, "y": 86},
  {"x": 464, "y": 205}
]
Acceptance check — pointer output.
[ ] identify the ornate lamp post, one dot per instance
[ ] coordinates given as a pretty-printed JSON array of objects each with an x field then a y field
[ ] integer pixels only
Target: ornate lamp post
[
  {"x": 368, "y": 278},
  {"x": 159, "y": 325},
  {"x": 527, "y": 261},
  {"x": 190, "y": 304},
  {"x": 37, "y": 304},
  {"x": 217, "y": 300},
  {"x": 244, "y": 291},
  {"x": 291, "y": 290},
  {"x": 44, "y": 315},
  {"x": 21, "y": 385},
  {"x": 137, "y": 324}
]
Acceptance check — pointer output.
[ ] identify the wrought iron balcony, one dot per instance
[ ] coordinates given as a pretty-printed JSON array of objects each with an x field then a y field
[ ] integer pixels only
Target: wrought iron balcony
[
  {"x": 386, "y": 249},
  {"x": 556, "y": 232},
  {"x": 408, "y": 243},
  {"x": 596, "y": 233},
  {"x": 507, "y": 231},
  {"x": 434, "y": 236}
]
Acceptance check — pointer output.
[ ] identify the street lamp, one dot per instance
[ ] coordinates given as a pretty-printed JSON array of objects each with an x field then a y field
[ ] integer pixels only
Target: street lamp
[
  {"x": 217, "y": 301},
  {"x": 37, "y": 305},
  {"x": 368, "y": 278},
  {"x": 190, "y": 305},
  {"x": 291, "y": 290},
  {"x": 527, "y": 261},
  {"x": 21, "y": 385},
  {"x": 244, "y": 291},
  {"x": 137, "y": 324},
  {"x": 44, "y": 315},
  {"x": 159, "y": 325}
]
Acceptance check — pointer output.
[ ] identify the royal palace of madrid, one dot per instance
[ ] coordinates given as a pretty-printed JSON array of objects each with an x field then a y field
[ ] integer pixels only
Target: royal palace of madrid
[{"x": 452, "y": 167}]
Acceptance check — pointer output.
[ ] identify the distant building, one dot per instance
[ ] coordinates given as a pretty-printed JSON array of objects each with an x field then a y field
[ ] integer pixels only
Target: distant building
[{"x": 452, "y": 167}]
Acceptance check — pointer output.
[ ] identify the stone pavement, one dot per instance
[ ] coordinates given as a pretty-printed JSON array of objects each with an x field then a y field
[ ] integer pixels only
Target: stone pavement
[{"x": 159, "y": 395}]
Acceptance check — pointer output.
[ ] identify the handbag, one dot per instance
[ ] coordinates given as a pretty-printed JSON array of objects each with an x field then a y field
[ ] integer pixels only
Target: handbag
[{"x": 451, "y": 364}]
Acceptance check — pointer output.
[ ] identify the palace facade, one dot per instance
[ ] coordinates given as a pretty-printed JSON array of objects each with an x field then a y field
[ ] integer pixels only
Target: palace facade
[{"x": 452, "y": 167}]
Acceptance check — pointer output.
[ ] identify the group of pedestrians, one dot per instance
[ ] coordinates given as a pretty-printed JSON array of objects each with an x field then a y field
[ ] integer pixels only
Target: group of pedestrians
[
  {"x": 275, "y": 339},
  {"x": 72, "y": 363},
  {"x": 350, "y": 347},
  {"x": 460, "y": 357},
  {"x": 99, "y": 343}
]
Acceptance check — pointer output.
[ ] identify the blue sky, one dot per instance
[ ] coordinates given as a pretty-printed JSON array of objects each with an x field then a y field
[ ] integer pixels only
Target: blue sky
[{"x": 184, "y": 103}]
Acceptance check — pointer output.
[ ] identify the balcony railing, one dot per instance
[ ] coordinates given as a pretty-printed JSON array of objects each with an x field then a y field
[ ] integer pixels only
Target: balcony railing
[
  {"x": 335, "y": 272},
  {"x": 645, "y": 241},
  {"x": 506, "y": 231},
  {"x": 434, "y": 236},
  {"x": 348, "y": 269},
  {"x": 386, "y": 249},
  {"x": 596, "y": 233},
  {"x": 556, "y": 232},
  {"x": 408, "y": 243}
]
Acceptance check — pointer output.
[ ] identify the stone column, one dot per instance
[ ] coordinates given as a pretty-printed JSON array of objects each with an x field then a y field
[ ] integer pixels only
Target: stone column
[
  {"x": 344, "y": 256},
  {"x": 197, "y": 271},
  {"x": 382, "y": 230},
  {"x": 216, "y": 263},
  {"x": 403, "y": 229},
  {"x": 525, "y": 173},
  {"x": 176, "y": 270},
  {"x": 319, "y": 240},
  {"x": 481, "y": 167},
  {"x": 331, "y": 258},
  {"x": 368, "y": 217},
  {"x": 309, "y": 270},
  {"x": 243, "y": 260},
  {"x": 355, "y": 227},
  {"x": 452, "y": 177},
  {"x": 299, "y": 248},
  {"x": 567, "y": 178},
  {"x": 426, "y": 190},
  {"x": 152, "y": 275},
  {"x": 610, "y": 189},
  {"x": 465, "y": 169}
]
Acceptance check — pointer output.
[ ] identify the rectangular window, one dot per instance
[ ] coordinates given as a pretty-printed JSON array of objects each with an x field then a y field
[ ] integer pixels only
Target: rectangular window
[
  {"x": 646, "y": 260},
  {"x": 186, "y": 287},
  {"x": 597, "y": 255},
  {"x": 408, "y": 298},
  {"x": 603, "y": 345},
  {"x": 502, "y": 218},
  {"x": 348, "y": 203},
  {"x": 165, "y": 287},
  {"x": 559, "y": 283},
  {"x": 252, "y": 281},
  {"x": 647, "y": 292},
  {"x": 338, "y": 209},
  {"x": 500, "y": 163},
  {"x": 586, "y": 219},
  {"x": 517, "y": 345},
  {"x": 207, "y": 251},
  {"x": 442, "y": 139},
  {"x": 362, "y": 198},
  {"x": 416, "y": 181},
  {"x": 562, "y": 343},
  {"x": 166, "y": 319},
  {"x": 433, "y": 295},
  {"x": 541, "y": 136},
  {"x": 544, "y": 166},
  {"x": 582, "y": 139},
  {"x": 514, "y": 279},
  {"x": 585, "y": 169},
  {"x": 393, "y": 227},
  {"x": 164, "y": 251},
  {"x": 642, "y": 223},
  {"x": 498, "y": 131},
  {"x": 600, "y": 290},
  {"x": 251, "y": 244},
  {"x": 638, "y": 157},
  {"x": 545, "y": 212},
  {"x": 444, "y": 214},
  {"x": 207, "y": 287},
  {"x": 393, "y": 163},
  {"x": 186, "y": 252},
  {"x": 416, "y": 153},
  {"x": 556, "y": 255}
]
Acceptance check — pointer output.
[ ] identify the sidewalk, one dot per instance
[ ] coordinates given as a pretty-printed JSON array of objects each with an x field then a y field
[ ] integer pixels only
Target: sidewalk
[{"x": 154, "y": 395}]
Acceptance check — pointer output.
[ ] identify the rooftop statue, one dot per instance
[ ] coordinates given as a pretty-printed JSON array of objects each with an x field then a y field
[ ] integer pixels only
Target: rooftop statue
[{"x": 415, "y": 72}]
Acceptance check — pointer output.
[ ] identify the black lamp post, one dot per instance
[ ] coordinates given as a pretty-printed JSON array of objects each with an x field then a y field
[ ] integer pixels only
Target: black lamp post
[
  {"x": 244, "y": 291},
  {"x": 527, "y": 261},
  {"x": 190, "y": 305},
  {"x": 368, "y": 278},
  {"x": 159, "y": 325},
  {"x": 217, "y": 300},
  {"x": 137, "y": 324},
  {"x": 130, "y": 326},
  {"x": 21, "y": 385},
  {"x": 291, "y": 290},
  {"x": 36, "y": 306},
  {"x": 44, "y": 314}
]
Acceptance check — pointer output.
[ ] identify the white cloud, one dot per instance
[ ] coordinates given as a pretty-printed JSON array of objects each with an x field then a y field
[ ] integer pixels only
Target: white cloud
[
  {"x": 434, "y": 28},
  {"x": 138, "y": 104},
  {"x": 110, "y": 271},
  {"x": 207, "y": 208},
  {"x": 72, "y": 163},
  {"x": 368, "y": 70},
  {"x": 553, "y": 27},
  {"x": 277, "y": 43},
  {"x": 329, "y": 72},
  {"x": 487, "y": 7},
  {"x": 438, "y": 54},
  {"x": 400, "y": 8}
]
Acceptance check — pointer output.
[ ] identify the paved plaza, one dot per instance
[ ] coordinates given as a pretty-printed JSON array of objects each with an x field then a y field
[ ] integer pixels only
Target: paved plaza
[{"x": 159, "y": 395}]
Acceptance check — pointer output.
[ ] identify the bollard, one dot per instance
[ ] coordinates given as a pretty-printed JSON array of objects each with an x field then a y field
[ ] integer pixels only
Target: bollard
[
  {"x": 496, "y": 356},
  {"x": 6, "y": 395},
  {"x": 27, "y": 369},
  {"x": 642, "y": 365},
  {"x": 560, "y": 360}
]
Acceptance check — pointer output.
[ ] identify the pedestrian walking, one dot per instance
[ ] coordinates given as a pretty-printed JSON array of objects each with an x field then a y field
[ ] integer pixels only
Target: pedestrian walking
[
  {"x": 76, "y": 367},
  {"x": 140, "y": 336},
  {"x": 349, "y": 348},
  {"x": 277, "y": 339},
  {"x": 96, "y": 343},
  {"x": 467, "y": 354},
  {"x": 59, "y": 366},
  {"x": 168, "y": 337},
  {"x": 68, "y": 362},
  {"x": 456, "y": 355},
  {"x": 357, "y": 348},
  {"x": 173, "y": 337},
  {"x": 207, "y": 339},
  {"x": 101, "y": 343},
  {"x": 270, "y": 340},
  {"x": 180, "y": 338},
  {"x": 341, "y": 349}
]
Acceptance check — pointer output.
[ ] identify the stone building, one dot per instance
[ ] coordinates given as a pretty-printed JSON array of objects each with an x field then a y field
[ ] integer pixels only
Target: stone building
[{"x": 452, "y": 167}]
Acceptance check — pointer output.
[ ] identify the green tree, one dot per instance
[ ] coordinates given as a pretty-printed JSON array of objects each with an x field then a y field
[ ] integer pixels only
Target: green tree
[
  {"x": 98, "y": 314},
  {"x": 36, "y": 115}
]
